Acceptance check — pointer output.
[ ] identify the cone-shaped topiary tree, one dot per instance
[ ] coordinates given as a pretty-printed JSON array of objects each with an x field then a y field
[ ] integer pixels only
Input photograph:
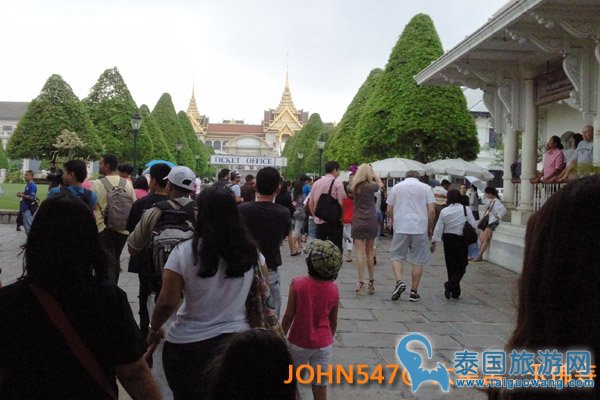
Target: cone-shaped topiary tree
[
  {"x": 111, "y": 106},
  {"x": 55, "y": 109},
  {"x": 420, "y": 122},
  {"x": 160, "y": 149},
  {"x": 198, "y": 148},
  {"x": 305, "y": 141},
  {"x": 344, "y": 146},
  {"x": 166, "y": 118}
]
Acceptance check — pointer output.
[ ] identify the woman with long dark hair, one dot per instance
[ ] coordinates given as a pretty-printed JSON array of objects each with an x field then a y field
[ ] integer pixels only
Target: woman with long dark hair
[
  {"x": 213, "y": 272},
  {"x": 449, "y": 229},
  {"x": 494, "y": 210},
  {"x": 559, "y": 305},
  {"x": 65, "y": 273}
]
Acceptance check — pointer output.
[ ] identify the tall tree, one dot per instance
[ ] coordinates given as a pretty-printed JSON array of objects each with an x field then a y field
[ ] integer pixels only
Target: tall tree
[
  {"x": 198, "y": 148},
  {"x": 160, "y": 148},
  {"x": 111, "y": 107},
  {"x": 420, "y": 122},
  {"x": 344, "y": 146},
  {"x": 56, "y": 108},
  {"x": 3, "y": 158},
  {"x": 166, "y": 118}
]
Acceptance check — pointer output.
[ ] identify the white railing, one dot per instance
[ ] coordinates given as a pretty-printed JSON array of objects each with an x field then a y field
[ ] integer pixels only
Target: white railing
[{"x": 542, "y": 192}]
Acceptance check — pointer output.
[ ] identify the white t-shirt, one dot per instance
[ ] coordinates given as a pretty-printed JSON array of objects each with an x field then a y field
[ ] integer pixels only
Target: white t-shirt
[
  {"x": 237, "y": 190},
  {"x": 585, "y": 152},
  {"x": 452, "y": 220},
  {"x": 440, "y": 194},
  {"x": 211, "y": 306},
  {"x": 410, "y": 199}
]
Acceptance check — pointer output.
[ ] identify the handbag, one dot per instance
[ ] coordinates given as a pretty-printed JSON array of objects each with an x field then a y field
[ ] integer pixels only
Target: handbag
[
  {"x": 260, "y": 310},
  {"x": 81, "y": 351},
  {"x": 469, "y": 234},
  {"x": 483, "y": 222},
  {"x": 328, "y": 208}
]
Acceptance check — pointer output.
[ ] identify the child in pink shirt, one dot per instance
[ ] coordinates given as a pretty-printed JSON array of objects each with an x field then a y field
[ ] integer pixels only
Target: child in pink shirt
[{"x": 312, "y": 311}]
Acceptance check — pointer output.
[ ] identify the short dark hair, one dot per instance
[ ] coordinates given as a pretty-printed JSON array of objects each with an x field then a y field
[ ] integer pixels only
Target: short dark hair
[
  {"x": 141, "y": 183},
  {"x": 267, "y": 180},
  {"x": 445, "y": 182},
  {"x": 249, "y": 177},
  {"x": 78, "y": 168},
  {"x": 223, "y": 174},
  {"x": 330, "y": 166},
  {"x": 159, "y": 172},
  {"x": 110, "y": 160},
  {"x": 126, "y": 168},
  {"x": 491, "y": 190}
]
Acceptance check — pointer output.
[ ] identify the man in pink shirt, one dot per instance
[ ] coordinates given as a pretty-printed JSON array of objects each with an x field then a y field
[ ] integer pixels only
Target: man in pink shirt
[
  {"x": 554, "y": 162},
  {"x": 333, "y": 230}
]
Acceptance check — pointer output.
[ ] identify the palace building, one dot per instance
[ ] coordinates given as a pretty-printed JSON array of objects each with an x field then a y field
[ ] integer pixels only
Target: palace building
[{"x": 239, "y": 138}]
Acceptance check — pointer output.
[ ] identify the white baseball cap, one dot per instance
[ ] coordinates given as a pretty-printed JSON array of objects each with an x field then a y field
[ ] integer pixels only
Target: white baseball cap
[{"x": 182, "y": 176}]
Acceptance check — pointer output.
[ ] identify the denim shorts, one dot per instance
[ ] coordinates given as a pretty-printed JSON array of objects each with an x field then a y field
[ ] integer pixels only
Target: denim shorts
[{"x": 313, "y": 357}]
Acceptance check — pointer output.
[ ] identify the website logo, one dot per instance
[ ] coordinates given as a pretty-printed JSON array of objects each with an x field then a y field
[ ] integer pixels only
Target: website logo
[{"x": 413, "y": 362}]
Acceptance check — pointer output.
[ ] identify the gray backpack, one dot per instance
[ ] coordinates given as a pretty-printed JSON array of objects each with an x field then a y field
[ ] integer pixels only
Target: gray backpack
[{"x": 118, "y": 205}]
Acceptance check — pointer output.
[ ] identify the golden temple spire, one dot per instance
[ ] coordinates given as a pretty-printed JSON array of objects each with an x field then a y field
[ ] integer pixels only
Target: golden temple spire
[{"x": 286, "y": 99}]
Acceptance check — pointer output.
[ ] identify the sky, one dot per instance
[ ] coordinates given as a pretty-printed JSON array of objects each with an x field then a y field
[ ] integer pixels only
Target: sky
[{"x": 234, "y": 52}]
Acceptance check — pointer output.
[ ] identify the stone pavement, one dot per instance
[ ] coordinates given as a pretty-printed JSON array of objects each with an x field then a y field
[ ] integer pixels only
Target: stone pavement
[{"x": 370, "y": 326}]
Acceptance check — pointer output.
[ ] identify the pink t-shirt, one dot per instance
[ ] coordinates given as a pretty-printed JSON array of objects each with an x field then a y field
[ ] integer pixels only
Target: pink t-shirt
[
  {"x": 322, "y": 186},
  {"x": 554, "y": 161},
  {"x": 139, "y": 193},
  {"x": 315, "y": 299}
]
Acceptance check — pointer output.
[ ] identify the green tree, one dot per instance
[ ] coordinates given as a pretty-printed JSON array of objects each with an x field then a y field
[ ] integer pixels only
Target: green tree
[
  {"x": 111, "y": 106},
  {"x": 56, "y": 108},
  {"x": 198, "y": 148},
  {"x": 160, "y": 149},
  {"x": 166, "y": 118},
  {"x": 3, "y": 158},
  {"x": 305, "y": 141},
  {"x": 344, "y": 146},
  {"x": 420, "y": 122}
]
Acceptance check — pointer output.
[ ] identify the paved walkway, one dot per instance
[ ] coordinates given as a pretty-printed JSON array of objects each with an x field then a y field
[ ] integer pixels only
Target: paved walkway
[{"x": 370, "y": 326}]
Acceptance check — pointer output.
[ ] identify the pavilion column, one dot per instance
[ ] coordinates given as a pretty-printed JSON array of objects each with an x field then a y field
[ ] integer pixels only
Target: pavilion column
[
  {"x": 529, "y": 149},
  {"x": 510, "y": 156},
  {"x": 596, "y": 160}
]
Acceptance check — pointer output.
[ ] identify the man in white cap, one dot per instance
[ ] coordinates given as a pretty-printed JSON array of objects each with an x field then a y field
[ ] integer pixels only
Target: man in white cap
[{"x": 180, "y": 183}]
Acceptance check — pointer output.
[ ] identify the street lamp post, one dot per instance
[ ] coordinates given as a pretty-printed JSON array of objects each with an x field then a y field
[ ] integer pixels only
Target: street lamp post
[
  {"x": 321, "y": 146},
  {"x": 197, "y": 157},
  {"x": 178, "y": 147},
  {"x": 136, "y": 123},
  {"x": 300, "y": 157}
]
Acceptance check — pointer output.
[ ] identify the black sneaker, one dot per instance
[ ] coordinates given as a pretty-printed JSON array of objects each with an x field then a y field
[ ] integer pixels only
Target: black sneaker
[
  {"x": 398, "y": 289},
  {"x": 414, "y": 296}
]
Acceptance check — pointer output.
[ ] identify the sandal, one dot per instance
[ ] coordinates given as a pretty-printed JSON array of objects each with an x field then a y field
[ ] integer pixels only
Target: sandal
[
  {"x": 297, "y": 253},
  {"x": 348, "y": 260},
  {"x": 371, "y": 287},
  {"x": 360, "y": 288}
]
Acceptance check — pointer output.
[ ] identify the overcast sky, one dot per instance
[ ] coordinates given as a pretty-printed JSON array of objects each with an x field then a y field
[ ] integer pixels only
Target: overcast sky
[{"x": 234, "y": 52}]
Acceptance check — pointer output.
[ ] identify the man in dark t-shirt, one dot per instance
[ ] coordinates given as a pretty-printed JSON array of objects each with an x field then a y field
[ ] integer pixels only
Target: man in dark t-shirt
[
  {"x": 268, "y": 223},
  {"x": 158, "y": 193}
]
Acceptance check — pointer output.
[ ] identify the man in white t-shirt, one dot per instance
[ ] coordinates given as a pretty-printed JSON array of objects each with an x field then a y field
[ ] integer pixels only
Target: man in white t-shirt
[
  {"x": 411, "y": 206},
  {"x": 235, "y": 178},
  {"x": 585, "y": 148}
]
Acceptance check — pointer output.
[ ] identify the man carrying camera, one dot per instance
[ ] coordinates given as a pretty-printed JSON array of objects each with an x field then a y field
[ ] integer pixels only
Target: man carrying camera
[
  {"x": 73, "y": 176},
  {"x": 27, "y": 197}
]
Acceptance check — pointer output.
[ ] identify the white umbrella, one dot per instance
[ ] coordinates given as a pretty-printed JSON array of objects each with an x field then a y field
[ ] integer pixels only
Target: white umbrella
[
  {"x": 459, "y": 167},
  {"x": 397, "y": 167}
]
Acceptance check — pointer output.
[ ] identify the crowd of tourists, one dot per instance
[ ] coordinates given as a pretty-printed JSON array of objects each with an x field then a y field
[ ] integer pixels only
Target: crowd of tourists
[{"x": 208, "y": 263}]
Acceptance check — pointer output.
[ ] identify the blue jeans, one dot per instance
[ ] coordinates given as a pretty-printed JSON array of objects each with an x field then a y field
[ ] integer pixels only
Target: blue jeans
[
  {"x": 27, "y": 220},
  {"x": 275, "y": 289}
]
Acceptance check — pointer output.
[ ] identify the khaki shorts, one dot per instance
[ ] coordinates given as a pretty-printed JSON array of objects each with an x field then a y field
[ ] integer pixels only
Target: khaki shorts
[{"x": 412, "y": 248}]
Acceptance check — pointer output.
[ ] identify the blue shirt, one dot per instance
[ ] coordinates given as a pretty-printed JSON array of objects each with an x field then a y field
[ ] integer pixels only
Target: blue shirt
[
  {"x": 30, "y": 190},
  {"x": 306, "y": 189},
  {"x": 77, "y": 192}
]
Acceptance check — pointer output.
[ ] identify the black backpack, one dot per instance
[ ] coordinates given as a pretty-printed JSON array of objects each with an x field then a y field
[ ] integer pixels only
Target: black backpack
[
  {"x": 175, "y": 225},
  {"x": 328, "y": 208}
]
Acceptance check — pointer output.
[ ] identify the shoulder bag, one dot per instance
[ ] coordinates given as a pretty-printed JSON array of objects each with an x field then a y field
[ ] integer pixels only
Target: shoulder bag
[
  {"x": 260, "y": 311},
  {"x": 483, "y": 222},
  {"x": 81, "y": 351},
  {"x": 469, "y": 234},
  {"x": 328, "y": 208}
]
